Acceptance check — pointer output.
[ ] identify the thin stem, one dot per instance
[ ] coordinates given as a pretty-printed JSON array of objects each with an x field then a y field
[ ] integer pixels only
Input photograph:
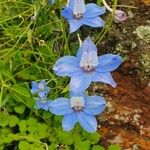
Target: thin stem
[
  {"x": 65, "y": 36},
  {"x": 108, "y": 26},
  {"x": 110, "y": 9},
  {"x": 1, "y": 93},
  {"x": 79, "y": 39},
  {"x": 125, "y": 6},
  {"x": 106, "y": 5}
]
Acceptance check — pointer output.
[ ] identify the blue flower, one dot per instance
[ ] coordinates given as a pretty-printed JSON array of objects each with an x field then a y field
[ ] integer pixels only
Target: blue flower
[
  {"x": 78, "y": 14},
  {"x": 79, "y": 108},
  {"x": 87, "y": 67},
  {"x": 42, "y": 103},
  {"x": 40, "y": 88}
]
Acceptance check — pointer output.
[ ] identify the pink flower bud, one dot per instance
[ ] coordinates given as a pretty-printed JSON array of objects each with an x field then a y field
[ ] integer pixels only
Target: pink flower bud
[{"x": 120, "y": 16}]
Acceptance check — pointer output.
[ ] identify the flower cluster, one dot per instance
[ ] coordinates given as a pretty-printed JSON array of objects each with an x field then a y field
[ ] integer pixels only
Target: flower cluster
[
  {"x": 83, "y": 69},
  {"x": 41, "y": 91}
]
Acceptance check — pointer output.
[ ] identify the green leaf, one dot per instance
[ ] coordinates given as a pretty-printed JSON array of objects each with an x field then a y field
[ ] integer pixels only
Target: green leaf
[
  {"x": 114, "y": 147},
  {"x": 9, "y": 138},
  {"x": 29, "y": 74},
  {"x": 20, "y": 109},
  {"x": 13, "y": 120},
  {"x": 21, "y": 89},
  {"x": 66, "y": 89},
  {"x": 84, "y": 145},
  {"x": 97, "y": 147},
  {"x": 3, "y": 119},
  {"x": 52, "y": 146},
  {"x": 22, "y": 125},
  {"x": 65, "y": 138},
  {"x": 29, "y": 102},
  {"x": 6, "y": 99},
  {"x": 24, "y": 145},
  {"x": 94, "y": 137}
]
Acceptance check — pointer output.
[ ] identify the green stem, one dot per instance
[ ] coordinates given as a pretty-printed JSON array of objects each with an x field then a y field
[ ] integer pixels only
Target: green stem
[
  {"x": 1, "y": 93},
  {"x": 108, "y": 26},
  {"x": 65, "y": 36}
]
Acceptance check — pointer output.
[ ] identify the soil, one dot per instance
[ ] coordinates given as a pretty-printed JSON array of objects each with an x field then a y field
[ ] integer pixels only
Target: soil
[{"x": 127, "y": 119}]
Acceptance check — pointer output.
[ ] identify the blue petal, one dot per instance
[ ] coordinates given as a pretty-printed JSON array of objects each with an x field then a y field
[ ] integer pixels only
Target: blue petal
[
  {"x": 94, "y": 105},
  {"x": 108, "y": 62},
  {"x": 87, "y": 122},
  {"x": 40, "y": 88},
  {"x": 86, "y": 46},
  {"x": 66, "y": 66},
  {"x": 42, "y": 82},
  {"x": 74, "y": 25},
  {"x": 42, "y": 105},
  {"x": 69, "y": 121},
  {"x": 60, "y": 106},
  {"x": 92, "y": 10},
  {"x": 82, "y": 94},
  {"x": 78, "y": 5},
  {"x": 93, "y": 22},
  {"x": 34, "y": 86},
  {"x": 67, "y": 13},
  {"x": 71, "y": 4},
  {"x": 80, "y": 83},
  {"x": 105, "y": 77},
  {"x": 43, "y": 92}
]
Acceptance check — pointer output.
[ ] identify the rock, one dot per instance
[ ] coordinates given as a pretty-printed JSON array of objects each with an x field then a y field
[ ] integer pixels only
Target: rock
[{"x": 143, "y": 32}]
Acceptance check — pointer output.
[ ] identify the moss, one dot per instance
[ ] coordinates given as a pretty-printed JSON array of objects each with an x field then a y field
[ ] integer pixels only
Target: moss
[
  {"x": 143, "y": 32},
  {"x": 145, "y": 61}
]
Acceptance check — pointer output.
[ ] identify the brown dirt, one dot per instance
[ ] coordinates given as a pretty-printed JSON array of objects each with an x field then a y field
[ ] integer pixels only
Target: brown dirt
[{"x": 127, "y": 119}]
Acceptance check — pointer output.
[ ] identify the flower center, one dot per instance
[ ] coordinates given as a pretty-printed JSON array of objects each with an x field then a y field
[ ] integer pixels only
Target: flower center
[
  {"x": 77, "y": 103},
  {"x": 89, "y": 61},
  {"x": 77, "y": 16}
]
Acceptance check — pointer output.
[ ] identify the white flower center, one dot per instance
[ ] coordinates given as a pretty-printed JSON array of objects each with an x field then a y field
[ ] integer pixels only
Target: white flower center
[
  {"x": 89, "y": 61},
  {"x": 77, "y": 103},
  {"x": 79, "y": 9}
]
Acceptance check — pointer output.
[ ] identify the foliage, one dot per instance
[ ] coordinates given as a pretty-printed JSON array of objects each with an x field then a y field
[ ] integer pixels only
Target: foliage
[
  {"x": 31, "y": 132},
  {"x": 33, "y": 35}
]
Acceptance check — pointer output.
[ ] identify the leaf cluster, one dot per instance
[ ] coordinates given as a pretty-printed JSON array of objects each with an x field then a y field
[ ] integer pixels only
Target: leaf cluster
[{"x": 32, "y": 37}]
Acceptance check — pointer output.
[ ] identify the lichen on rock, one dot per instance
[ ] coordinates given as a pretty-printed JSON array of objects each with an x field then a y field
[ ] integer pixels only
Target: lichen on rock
[{"x": 143, "y": 32}]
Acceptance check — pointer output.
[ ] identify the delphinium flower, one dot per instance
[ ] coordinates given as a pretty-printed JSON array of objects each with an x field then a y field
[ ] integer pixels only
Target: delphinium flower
[
  {"x": 42, "y": 91},
  {"x": 87, "y": 67},
  {"x": 119, "y": 16},
  {"x": 79, "y": 108},
  {"x": 78, "y": 14}
]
